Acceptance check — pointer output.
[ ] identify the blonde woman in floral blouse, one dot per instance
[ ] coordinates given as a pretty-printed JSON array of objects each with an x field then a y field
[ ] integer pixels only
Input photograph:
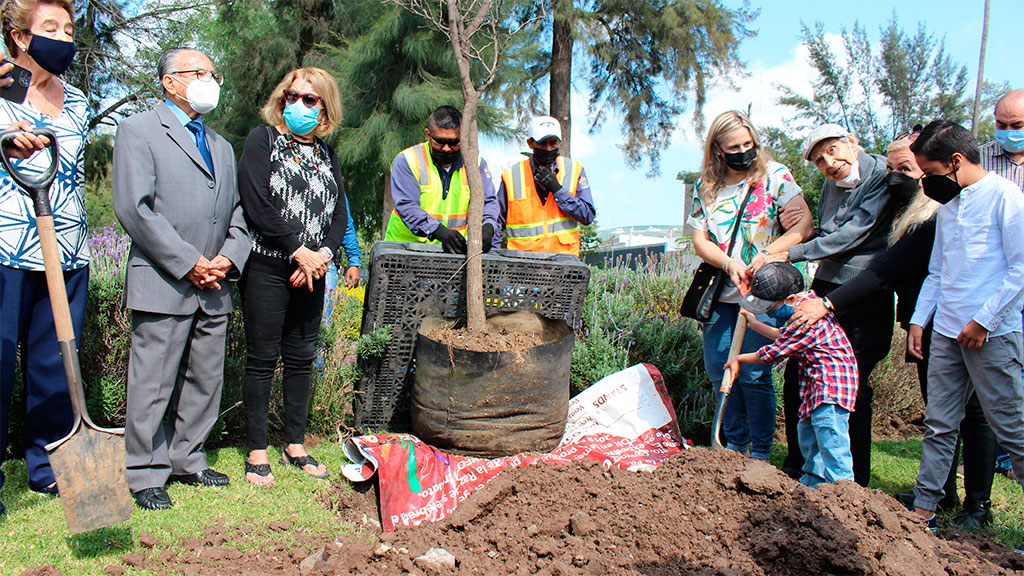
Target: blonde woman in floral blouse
[{"x": 775, "y": 217}]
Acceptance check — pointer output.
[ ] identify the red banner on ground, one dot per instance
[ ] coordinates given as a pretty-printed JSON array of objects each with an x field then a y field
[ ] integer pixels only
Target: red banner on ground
[{"x": 626, "y": 420}]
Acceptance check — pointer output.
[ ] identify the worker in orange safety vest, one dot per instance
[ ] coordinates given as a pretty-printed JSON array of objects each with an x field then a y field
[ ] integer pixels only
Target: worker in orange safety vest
[{"x": 544, "y": 199}]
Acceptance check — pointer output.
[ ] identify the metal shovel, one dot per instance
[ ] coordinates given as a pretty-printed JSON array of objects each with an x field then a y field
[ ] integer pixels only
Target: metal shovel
[
  {"x": 89, "y": 463},
  {"x": 727, "y": 379}
]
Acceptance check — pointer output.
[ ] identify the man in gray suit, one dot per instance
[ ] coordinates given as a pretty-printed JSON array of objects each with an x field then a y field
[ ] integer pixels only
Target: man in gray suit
[{"x": 175, "y": 194}]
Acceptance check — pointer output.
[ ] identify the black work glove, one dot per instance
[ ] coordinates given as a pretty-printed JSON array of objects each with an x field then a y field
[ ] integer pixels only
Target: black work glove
[
  {"x": 545, "y": 179},
  {"x": 488, "y": 230},
  {"x": 451, "y": 241}
]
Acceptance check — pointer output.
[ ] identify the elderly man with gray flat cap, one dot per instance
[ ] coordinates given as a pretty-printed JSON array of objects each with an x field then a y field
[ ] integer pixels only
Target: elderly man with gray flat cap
[{"x": 855, "y": 213}]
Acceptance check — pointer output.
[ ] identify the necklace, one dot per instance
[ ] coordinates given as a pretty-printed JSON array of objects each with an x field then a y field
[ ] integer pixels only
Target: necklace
[{"x": 307, "y": 164}]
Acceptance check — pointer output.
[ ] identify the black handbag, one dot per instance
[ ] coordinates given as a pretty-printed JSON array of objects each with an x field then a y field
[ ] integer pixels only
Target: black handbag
[{"x": 707, "y": 280}]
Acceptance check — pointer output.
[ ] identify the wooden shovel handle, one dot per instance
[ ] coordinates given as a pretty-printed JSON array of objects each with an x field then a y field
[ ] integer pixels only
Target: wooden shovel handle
[{"x": 734, "y": 351}]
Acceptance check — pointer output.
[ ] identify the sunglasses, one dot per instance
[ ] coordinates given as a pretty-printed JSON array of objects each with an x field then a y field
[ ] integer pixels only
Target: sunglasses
[
  {"x": 908, "y": 133},
  {"x": 449, "y": 142},
  {"x": 310, "y": 100}
]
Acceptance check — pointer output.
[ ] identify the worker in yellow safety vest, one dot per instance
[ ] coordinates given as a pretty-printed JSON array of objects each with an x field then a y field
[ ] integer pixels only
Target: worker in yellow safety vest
[
  {"x": 543, "y": 200},
  {"x": 430, "y": 191}
]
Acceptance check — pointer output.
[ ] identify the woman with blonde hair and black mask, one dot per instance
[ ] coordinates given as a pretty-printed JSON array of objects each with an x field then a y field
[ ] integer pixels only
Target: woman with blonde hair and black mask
[{"x": 741, "y": 186}]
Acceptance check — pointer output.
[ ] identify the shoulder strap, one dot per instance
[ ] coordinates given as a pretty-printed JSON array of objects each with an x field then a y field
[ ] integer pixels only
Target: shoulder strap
[
  {"x": 739, "y": 218},
  {"x": 270, "y": 137}
]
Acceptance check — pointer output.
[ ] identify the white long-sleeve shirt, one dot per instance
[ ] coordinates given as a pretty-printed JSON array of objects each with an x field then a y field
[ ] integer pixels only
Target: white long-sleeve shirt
[{"x": 976, "y": 270}]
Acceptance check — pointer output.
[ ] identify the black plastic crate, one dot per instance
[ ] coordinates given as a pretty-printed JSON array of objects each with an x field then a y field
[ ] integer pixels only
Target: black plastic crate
[{"x": 409, "y": 281}]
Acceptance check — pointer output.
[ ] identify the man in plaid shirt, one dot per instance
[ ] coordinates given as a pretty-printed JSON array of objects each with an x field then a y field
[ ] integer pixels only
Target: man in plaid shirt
[{"x": 827, "y": 371}]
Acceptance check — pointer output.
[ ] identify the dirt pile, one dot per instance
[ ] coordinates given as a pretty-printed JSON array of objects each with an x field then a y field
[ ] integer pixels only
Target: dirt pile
[{"x": 700, "y": 513}]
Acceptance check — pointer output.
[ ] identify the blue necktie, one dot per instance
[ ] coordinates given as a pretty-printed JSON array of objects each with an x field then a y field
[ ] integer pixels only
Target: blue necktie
[{"x": 196, "y": 128}]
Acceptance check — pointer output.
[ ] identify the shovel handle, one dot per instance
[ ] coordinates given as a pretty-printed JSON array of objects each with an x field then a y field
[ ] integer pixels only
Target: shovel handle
[
  {"x": 37, "y": 187},
  {"x": 726, "y": 386},
  {"x": 734, "y": 351}
]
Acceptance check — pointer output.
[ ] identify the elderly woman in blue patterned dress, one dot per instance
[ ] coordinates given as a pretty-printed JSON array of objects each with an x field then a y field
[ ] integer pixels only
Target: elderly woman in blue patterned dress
[
  {"x": 294, "y": 201},
  {"x": 39, "y": 36}
]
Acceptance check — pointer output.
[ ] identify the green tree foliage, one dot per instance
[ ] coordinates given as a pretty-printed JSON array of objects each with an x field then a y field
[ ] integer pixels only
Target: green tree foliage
[
  {"x": 118, "y": 42},
  {"x": 877, "y": 93},
  {"x": 644, "y": 60}
]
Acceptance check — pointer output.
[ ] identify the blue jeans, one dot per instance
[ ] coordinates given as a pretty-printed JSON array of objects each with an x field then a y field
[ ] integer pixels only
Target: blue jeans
[
  {"x": 749, "y": 418},
  {"x": 825, "y": 445}
]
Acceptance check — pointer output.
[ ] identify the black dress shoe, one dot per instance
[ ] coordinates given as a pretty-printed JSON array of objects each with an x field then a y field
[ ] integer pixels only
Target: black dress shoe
[
  {"x": 975, "y": 515},
  {"x": 50, "y": 490},
  {"x": 208, "y": 477},
  {"x": 153, "y": 499}
]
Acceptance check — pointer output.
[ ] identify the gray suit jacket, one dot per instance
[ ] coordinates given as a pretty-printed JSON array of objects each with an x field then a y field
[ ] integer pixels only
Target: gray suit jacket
[{"x": 174, "y": 211}]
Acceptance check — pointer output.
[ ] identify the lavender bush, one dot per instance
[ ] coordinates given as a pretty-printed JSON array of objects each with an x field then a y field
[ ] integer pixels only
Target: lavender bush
[{"x": 631, "y": 316}]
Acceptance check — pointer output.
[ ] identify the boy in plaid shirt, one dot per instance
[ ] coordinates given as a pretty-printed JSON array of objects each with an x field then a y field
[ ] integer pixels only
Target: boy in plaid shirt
[{"x": 828, "y": 370}]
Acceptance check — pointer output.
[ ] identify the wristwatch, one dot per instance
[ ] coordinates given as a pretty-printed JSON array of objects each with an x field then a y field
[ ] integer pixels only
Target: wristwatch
[{"x": 828, "y": 305}]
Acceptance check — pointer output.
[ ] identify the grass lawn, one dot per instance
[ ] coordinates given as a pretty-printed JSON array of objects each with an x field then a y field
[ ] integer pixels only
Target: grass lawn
[{"x": 34, "y": 532}]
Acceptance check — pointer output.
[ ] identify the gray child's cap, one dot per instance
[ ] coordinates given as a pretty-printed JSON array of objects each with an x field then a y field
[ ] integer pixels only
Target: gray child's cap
[{"x": 775, "y": 281}]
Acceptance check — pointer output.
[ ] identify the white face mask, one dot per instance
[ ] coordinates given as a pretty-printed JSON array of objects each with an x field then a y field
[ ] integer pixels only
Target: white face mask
[
  {"x": 852, "y": 179},
  {"x": 202, "y": 96}
]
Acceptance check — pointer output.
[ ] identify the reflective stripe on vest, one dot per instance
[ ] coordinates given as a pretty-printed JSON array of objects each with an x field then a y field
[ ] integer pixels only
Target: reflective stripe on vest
[
  {"x": 536, "y": 227},
  {"x": 452, "y": 211}
]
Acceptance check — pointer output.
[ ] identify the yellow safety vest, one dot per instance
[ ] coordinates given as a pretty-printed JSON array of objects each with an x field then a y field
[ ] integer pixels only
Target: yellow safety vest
[
  {"x": 536, "y": 227},
  {"x": 453, "y": 211}
]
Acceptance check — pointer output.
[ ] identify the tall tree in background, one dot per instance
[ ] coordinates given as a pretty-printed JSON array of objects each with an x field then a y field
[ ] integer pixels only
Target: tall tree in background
[
  {"x": 118, "y": 42},
  {"x": 643, "y": 60},
  {"x": 877, "y": 94}
]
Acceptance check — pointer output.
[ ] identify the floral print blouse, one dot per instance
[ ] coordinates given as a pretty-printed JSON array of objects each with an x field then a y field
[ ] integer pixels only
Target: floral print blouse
[{"x": 759, "y": 223}]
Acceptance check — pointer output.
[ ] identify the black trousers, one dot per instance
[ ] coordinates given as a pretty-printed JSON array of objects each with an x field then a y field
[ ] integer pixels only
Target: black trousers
[
  {"x": 280, "y": 321},
  {"x": 869, "y": 326}
]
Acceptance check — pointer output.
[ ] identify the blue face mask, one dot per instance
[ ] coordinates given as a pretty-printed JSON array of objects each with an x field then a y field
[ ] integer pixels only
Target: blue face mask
[
  {"x": 782, "y": 313},
  {"x": 1011, "y": 140},
  {"x": 300, "y": 119},
  {"x": 54, "y": 56}
]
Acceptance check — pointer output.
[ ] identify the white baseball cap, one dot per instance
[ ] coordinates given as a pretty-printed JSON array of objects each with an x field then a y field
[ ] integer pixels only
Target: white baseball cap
[{"x": 542, "y": 127}]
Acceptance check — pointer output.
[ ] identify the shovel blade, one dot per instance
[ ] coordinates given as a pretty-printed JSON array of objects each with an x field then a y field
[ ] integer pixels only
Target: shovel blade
[{"x": 90, "y": 470}]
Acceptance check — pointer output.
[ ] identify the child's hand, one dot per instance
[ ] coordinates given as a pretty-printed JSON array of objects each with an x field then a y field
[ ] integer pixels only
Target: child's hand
[
  {"x": 751, "y": 317},
  {"x": 732, "y": 368}
]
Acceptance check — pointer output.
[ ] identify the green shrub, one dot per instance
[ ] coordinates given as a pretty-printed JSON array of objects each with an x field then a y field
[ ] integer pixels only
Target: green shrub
[{"x": 631, "y": 316}]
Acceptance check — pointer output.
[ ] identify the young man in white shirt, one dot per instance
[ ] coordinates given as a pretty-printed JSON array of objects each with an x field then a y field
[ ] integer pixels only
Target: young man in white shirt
[{"x": 973, "y": 294}]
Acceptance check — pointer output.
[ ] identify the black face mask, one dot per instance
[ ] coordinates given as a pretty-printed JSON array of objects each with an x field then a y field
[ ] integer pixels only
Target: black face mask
[
  {"x": 740, "y": 161},
  {"x": 54, "y": 56},
  {"x": 444, "y": 158},
  {"x": 902, "y": 189},
  {"x": 941, "y": 187},
  {"x": 545, "y": 157}
]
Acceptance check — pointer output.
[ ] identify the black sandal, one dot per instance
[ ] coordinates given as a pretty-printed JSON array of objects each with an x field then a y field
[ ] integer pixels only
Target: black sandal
[
  {"x": 301, "y": 462},
  {"x": 261, "y": 470}
]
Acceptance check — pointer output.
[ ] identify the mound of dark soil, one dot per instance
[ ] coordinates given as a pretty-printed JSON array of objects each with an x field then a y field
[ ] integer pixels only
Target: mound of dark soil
[{"x": 700, "y": 513}]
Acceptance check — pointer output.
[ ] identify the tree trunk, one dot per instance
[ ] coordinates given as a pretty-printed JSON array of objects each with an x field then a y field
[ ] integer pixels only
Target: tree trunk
[
  {"x": 561, "y": 70},
  {"x": 389, "y": 205},
  {"x": 476, "y": 320},
  {"x": 475, "y": 316},
  {"x": 975, "y": 125}
]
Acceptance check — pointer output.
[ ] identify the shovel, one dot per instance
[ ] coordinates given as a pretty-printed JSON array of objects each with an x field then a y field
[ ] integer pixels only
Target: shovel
[
  {"x": 89, "y": 463},
  {"x": 727, "y": 379}
]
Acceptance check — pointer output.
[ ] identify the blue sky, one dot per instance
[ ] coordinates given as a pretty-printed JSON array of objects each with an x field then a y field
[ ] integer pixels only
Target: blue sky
[{"x": 626, "y": 197}]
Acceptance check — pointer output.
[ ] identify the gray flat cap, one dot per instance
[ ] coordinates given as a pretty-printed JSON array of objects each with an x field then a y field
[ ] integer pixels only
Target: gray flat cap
[{"x": 823, "y": 132}]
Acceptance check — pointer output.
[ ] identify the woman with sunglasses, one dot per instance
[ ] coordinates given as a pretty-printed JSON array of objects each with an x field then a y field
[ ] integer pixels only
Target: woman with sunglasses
[{"x": 294, "y": 201}]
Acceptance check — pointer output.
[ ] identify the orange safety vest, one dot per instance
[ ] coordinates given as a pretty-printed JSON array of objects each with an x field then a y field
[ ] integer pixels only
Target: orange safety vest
[{"x": 535, "y": 227}]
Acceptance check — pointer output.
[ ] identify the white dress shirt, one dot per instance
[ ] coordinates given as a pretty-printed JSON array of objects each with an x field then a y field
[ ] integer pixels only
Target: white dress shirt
[{"x": 976, "y": 270}]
